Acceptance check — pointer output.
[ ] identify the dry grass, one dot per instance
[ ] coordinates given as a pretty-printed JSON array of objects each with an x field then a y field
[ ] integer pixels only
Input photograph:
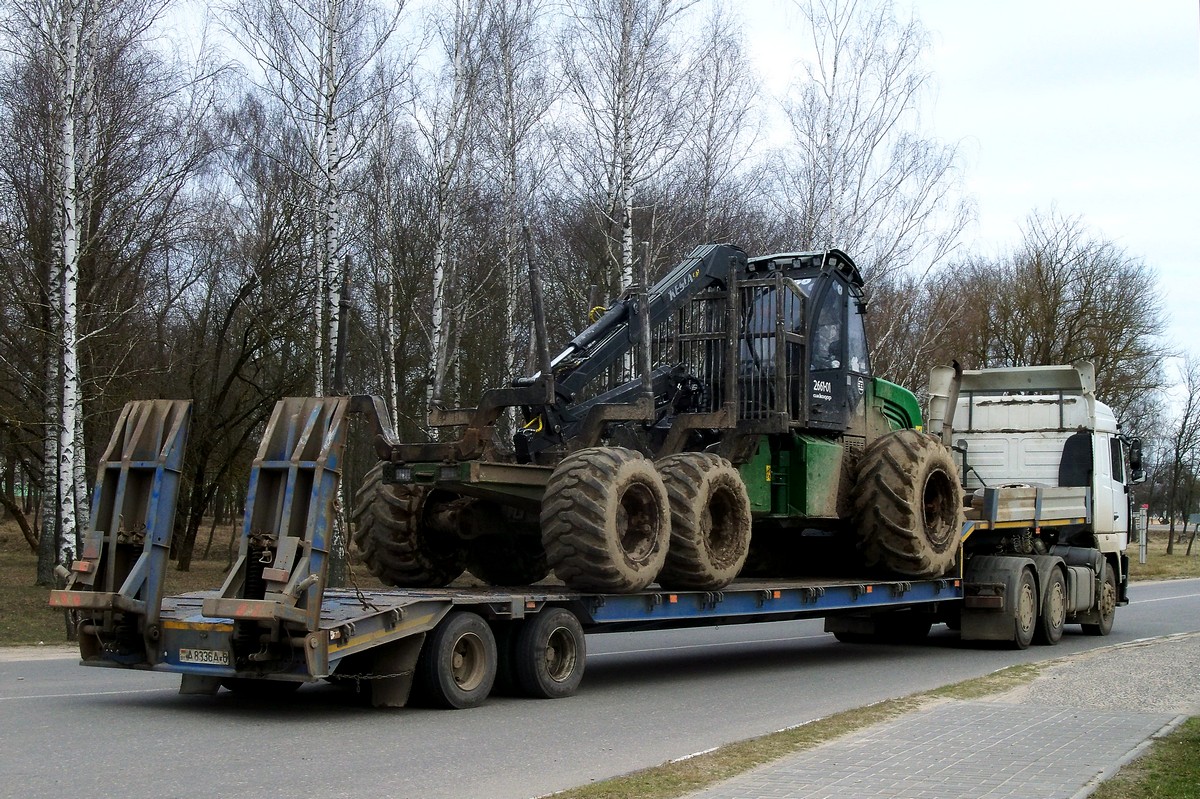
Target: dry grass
[
  {"x": 684, "y": 776},
  {"x": 1161, "y": 566},
  {"x": 25, "y": 617},
  {"x": 681, "y": 777}
]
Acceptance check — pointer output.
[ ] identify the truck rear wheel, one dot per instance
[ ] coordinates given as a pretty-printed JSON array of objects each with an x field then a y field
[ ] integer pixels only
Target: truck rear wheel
[
  {"x": 605, "y": 520},
  {"x": 1026, "y": 618},
  {"x": 710, "y": 521},
  {"x": 1054, "y": 610},
  {"x": 457, "y": 665},
  {"x": 1107, "y": 602},
  {"x": 396, "y": 544},
  {"x": 550, "y": 654},
  {"x": 908, "y": 505}
]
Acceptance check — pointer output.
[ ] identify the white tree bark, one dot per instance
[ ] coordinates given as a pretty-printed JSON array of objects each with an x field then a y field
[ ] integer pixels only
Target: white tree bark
[
  {"x": 390, "y": 344},
  {"x": 332, "y": 265},
  {"x": 630, "y": 82},
  {"x": 68, "y": 201},
  {"x": 448, "y": 126},
  {"x": 517, "y": 94},
  {"x": 315, "y": 57}
]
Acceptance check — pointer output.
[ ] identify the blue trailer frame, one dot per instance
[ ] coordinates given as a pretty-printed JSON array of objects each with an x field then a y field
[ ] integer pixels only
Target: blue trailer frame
[{"x": 300, "y": 630}]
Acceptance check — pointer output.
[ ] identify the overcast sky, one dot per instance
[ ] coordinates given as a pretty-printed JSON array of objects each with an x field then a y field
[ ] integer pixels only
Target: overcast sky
[{"x": 1091, "y": 107}]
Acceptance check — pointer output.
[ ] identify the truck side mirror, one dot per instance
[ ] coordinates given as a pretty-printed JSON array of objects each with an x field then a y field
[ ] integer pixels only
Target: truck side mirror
[{"x": 1137, "y": 474}]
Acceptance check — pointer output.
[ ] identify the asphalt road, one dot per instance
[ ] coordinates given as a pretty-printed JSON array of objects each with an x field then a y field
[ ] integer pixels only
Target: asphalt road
[{"x": 646, "y": 698}]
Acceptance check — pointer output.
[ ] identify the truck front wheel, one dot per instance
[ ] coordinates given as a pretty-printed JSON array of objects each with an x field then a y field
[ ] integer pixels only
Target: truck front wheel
[{"x": 1107, "y": 602}]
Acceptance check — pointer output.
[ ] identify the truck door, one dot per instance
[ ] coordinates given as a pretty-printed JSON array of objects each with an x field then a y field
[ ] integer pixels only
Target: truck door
[
  {"x": 1111, "y": 503},
  {"x": 827, "y": 390},
  {"x": 1119, "y": 485}
]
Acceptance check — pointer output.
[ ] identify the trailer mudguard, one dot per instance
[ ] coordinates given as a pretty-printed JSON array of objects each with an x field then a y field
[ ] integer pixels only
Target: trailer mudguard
[{"x": 990, "y": 596}]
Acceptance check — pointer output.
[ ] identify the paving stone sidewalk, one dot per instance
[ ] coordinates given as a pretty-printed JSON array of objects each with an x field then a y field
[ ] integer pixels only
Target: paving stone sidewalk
[{"x": 1060, "y": 736}]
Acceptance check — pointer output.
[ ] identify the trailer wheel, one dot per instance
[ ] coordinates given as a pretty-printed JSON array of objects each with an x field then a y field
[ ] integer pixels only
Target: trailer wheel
[
  {"x": 550, "y": 654},
  {"x": 1054, "y": 610},
  {"x": 396, "y": 543},
  {"x": 507, "y": 559},
  {"x": 1027, "y": 611},
  {"x": 908, "y": 505},
  {"x": 1108, "y": 604},
  {"x": 710, "y": 521},
  {"x": 605, "y": 520},
  {"x": 457, "y": 665}
]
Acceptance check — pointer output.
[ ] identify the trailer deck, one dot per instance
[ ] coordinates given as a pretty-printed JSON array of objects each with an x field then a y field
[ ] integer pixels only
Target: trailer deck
[{"x": 275, "y": 623}]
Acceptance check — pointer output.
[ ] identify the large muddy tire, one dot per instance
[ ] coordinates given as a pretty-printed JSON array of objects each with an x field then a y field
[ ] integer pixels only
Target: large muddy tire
[
  {"x": 907, "y": 505},
  {"x": 605, "y": 521},
  {"x": 507, "y": 559},
  {"x": 710, "y": 521},
  {"x": 395, "y": 543}
]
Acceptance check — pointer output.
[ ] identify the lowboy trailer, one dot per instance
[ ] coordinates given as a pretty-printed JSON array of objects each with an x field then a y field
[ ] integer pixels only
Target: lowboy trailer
[{"x": 275, "y": 624}]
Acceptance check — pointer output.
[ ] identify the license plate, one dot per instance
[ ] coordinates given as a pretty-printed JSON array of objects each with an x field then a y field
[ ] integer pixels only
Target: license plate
[{"x": 214, "y": 657}]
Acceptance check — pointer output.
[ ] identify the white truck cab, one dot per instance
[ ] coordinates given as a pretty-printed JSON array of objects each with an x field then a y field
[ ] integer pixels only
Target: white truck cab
[{"x": 1041, "y": 427}]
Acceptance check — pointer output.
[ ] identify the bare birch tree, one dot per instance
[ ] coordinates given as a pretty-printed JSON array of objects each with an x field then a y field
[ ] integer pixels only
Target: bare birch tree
[
  {"x": 630, "y": 83},
  {"x": 313, "y": 59},
  {"x": 860, "y": 174},
  {"x": 64, "y": 34},
  {"x": 518, "y": 92},
  {"x": 1183, "y": 446},
  {"x": 446, "y": 120}
]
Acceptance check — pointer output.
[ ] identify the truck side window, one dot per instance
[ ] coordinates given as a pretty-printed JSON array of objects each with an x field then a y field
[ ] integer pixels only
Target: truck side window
[
  {"x": 1075, "y": 468},
  {"x": 827, "y": 343},
  {"x": 1118, "y": 460},
  {"x": 857, "y": 335}
]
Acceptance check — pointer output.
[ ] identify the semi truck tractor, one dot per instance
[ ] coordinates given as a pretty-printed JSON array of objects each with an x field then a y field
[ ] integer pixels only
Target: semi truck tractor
[
  {"x": 712, "y": 450},
  {"x": 1047, "y": 473}
]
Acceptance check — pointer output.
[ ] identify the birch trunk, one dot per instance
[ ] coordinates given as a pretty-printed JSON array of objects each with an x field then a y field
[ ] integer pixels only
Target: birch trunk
[
  {"x": 438, "y": 332},
  {"x": 48, "y": 540},
  {"x": 450, "y": 138},
  {"x": 330, "y": 167},
  {"x": 69, "y": 232},
  {"x": 389, "y": 335},
  {"x": 83, "y": 512}
]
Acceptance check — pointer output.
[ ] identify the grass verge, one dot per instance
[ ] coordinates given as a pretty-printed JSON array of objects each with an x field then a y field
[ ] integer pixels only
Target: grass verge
[
  {"x": 684, "y": 776},
  {"x": 1169, "y": 770}
]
